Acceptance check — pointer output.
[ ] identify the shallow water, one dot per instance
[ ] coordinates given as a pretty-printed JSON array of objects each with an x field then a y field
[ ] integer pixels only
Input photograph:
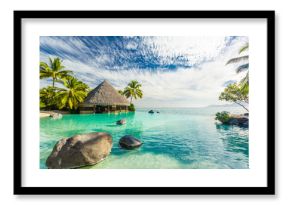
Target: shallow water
[{"x": 187, "y": 138}]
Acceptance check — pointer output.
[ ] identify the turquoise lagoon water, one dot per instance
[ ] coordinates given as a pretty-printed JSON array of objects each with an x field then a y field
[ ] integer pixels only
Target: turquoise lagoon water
[{"x": 187, "y": 138}]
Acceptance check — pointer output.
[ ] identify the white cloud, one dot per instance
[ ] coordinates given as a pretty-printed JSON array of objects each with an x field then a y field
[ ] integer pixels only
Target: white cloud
[
  {"x": 70, "y": 45},
  {"x": 176, "y": 88},
  {"x": 196, "y": 49},
  {"x": 132, "y": 45},
  {"x": 102, "y": 59}
]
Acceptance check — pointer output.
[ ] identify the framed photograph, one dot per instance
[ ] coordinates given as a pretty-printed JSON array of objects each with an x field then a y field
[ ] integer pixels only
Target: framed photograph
[{"x": 144, "y": 102}]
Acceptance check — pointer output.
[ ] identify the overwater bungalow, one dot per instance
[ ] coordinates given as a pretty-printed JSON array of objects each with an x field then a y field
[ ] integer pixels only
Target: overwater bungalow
[{"x": 103, "y": 99}]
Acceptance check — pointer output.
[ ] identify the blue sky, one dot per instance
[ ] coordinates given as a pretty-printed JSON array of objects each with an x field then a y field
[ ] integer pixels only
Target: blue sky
[{"x": 175, "y": 71}]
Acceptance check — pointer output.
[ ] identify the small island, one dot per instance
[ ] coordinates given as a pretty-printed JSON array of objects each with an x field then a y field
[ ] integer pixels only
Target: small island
[{"x": 237, "y": 93}]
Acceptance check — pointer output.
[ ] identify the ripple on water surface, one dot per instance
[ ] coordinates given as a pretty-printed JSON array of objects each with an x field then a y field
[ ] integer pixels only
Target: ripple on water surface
[{"x": 174, "y": 139}]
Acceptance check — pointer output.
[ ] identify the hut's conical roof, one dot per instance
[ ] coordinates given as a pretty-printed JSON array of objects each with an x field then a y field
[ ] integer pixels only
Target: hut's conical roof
[{"x": 105, "y": 94}]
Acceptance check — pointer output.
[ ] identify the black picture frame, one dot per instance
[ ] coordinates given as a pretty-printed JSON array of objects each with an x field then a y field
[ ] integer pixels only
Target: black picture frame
[{"x": 268, "y": 190}]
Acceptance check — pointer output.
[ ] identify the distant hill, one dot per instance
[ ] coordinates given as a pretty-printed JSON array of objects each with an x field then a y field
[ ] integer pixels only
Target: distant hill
[{"x": 225, "y": 105}]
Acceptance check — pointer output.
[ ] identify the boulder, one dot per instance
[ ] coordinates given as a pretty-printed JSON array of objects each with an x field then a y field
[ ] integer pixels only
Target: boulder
[
  {"x": 121, "y": 122},
  {"x": 227, "y": 118},
  {"x": 129, "y": 142},
  {"x": 151, "y": 112},
  {"x": 80, "y": 150},
  {"x": 239, "y": 120},
  {"x": 56, "y": 116}
]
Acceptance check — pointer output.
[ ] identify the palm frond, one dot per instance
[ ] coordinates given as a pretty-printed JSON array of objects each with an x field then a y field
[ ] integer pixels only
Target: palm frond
[
  {"x": 50, "y": 62},
  {"x": 44, "y": 75},
  {"x": 245, "y": 81},
  {"x": 242, "y": 68},
  {"x": 43, "y": 65},
  {"x": 244, "y": 48},
  {"x": 70, "y": 103},
  {"x": 238, "y": 59}
]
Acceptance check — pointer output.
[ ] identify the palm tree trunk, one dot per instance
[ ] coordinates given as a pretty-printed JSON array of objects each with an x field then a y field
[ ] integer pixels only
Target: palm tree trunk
[
  {"x": 53, "y": 82},
  {"x": 131, "y": 100}
]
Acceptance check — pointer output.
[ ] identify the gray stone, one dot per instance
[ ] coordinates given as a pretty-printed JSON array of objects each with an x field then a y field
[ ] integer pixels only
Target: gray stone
[
  {"x": 121, "y": 122},
  {"x": 80, "y": 150},
  {"x": 56, "y": 116},
  {"x": 239, "y": 120},
  {"x": 129, "y": 142}
]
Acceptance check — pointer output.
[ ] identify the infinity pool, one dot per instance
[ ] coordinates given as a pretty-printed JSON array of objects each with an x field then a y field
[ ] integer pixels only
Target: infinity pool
[{"x": 175, "y": 138}]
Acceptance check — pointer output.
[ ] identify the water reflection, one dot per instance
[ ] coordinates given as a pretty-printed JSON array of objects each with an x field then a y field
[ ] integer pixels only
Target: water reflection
[
  {"x": 234, "y": 138},
  {"x": 170, "y": 140}
]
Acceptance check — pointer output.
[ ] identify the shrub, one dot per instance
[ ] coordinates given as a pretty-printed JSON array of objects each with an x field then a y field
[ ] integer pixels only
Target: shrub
[
  {"x": 131, "y": 107},
  {"x": 223, "y": 117}
]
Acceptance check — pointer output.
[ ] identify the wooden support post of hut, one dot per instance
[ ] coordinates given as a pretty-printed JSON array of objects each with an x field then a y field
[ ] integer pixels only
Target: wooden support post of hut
[{"x": 103, "y": 99}]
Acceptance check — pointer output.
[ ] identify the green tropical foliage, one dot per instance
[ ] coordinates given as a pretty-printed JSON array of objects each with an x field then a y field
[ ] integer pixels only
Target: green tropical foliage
[
  {"x": 121, "y": 92},
  {"x": 133, "y": 90},
  {"x": 244, "y": 48},
  {"x": 222, "y": 116},
  {"x": 237, "y": 94},
  {"x": 131, "y": 107},
  {"x": 244, "y": 66},
  {"x": 54, "y": 70},
  {"x": 69, "y": 95},
  {"x": 74, "y": 93},
  {"x": 47, "y": 97}
]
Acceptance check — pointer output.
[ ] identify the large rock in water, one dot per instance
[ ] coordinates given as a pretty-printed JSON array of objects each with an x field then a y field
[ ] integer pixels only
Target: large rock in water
[
  {"x": 129, "y": 142},
  {"x": 56, "y": 116},
  {"x": 121, "y": 122},
  {"x": 80, "y": 150},
  {"x": 239, "y": 120}
]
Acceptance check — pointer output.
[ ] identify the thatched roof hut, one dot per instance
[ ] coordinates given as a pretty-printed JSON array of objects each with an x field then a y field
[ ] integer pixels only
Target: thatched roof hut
[{"x": 104, "y": 98}]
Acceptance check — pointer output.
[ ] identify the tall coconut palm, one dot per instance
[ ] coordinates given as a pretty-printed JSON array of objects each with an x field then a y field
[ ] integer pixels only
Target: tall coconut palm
[
  {"x": 244, "y": 66},
  {"x": 54, "y": 70},
  {"x": 133, "y": 90},
  {"x": 74, "y": 93}
]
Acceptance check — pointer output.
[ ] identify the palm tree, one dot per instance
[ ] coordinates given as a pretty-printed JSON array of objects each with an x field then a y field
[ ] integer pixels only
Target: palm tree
[
  {"x": 121, "y": 92},
  {"x": 244, "y": 66},
  {"x": 47, "y": 97},
  {"x": 54, "y": 70},
  {"x": 133, "y": 90},
  {"x": 74, "y": 93}
]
